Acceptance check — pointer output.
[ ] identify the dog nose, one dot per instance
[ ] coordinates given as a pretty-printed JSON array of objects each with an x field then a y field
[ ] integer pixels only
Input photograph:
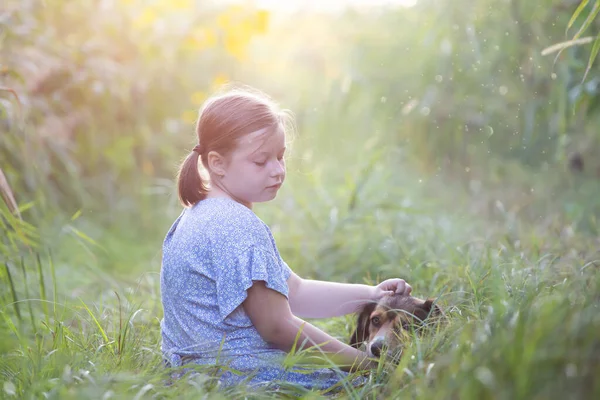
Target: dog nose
[{"x": 377, "y": 346}]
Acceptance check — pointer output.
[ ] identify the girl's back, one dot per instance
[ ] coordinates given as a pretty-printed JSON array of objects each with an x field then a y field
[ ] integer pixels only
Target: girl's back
[{"x": 211, "y": 255}]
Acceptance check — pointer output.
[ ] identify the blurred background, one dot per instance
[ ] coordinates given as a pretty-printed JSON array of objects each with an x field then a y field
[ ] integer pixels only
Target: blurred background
[{"x": 428, "y": 133}]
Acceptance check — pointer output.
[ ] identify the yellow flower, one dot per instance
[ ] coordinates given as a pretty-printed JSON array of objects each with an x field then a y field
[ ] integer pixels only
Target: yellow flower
[
  {"x": 165, "y": 6},
  {"x": 262, "y": 21},
  {"x": 224, "y": 21},
  {"x": 203, "y": 38},
  {"x": 230, "y": 17},
  {"x": 245, "y": 29},
  {"x": 145, "y": 19},
  {"x": 235, "y": 45},
  {"x": 220, "y": 80},
  {"x": 189, "y": 116},
  {"x": 198, "y": 98},
  {"x": 180, "y": 4}
]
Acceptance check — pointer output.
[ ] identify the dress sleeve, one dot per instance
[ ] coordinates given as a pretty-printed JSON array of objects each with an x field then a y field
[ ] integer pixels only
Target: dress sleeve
[
  {"x": 252, "y": 264},
  {"x": 287, "y": 271}
]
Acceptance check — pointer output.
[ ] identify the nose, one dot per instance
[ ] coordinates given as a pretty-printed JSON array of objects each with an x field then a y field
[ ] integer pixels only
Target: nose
[
  {"x": 278, "y": 170},
  {"x": 377, "y": 346}
]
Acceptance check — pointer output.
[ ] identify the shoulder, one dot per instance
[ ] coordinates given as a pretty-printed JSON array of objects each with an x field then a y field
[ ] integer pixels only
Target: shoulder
[
  {"x": 230, "y": 222},
  {"x": 229, "y": 214}
]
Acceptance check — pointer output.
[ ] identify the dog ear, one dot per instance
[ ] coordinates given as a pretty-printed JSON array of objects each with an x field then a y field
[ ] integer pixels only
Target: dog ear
[
  {"x": 361, "y": 332},
  {"x": 433, "y": 310}
]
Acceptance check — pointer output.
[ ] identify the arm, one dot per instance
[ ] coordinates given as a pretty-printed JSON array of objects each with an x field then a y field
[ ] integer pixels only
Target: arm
[
  {"x": 270, "y": 313},
  {"x": 320, "y": 299}
]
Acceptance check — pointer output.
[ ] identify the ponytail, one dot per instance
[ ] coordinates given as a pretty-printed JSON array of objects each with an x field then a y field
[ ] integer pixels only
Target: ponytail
[{"x": 190, "y": 185}]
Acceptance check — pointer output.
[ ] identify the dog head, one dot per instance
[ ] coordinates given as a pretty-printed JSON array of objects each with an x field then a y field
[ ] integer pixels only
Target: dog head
[{"x": 385, "y": 324}]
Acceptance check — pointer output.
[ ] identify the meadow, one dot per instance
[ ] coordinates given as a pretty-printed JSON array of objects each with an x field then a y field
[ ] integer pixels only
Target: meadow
[{"x": 438, "y": 143}]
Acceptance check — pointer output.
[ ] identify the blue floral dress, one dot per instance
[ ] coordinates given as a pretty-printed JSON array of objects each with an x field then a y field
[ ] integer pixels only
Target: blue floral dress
[{"x": 211, "y": 254}]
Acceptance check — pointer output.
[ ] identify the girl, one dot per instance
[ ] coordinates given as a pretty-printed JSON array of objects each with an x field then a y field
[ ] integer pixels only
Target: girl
[{"x": 228, "y": 297}]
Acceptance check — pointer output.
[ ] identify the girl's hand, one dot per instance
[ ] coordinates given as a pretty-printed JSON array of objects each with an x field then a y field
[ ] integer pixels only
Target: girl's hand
[{"x": 391, "y": 286}]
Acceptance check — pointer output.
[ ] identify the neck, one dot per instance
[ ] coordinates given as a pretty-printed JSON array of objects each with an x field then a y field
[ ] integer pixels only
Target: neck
[{"x": 217, "y": 192}]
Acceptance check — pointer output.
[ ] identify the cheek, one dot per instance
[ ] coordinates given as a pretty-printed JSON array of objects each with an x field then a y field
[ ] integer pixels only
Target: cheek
[{"x": 251, "y": 171}]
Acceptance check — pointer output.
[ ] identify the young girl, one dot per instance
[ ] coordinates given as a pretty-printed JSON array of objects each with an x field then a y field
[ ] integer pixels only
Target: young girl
[{"x": 228, "y": 297}]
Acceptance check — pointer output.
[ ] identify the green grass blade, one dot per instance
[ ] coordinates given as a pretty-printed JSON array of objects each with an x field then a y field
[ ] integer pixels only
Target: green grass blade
[
  {"x": 593, "y": 55},
  {"x": 11, "y": 325},
  {"x": 298, "y": 334},
  {"x": 576, "y": 14},
  {"x": 100, "y": 329},
  {"x": 54, "y": 289},
  {"x": 33, "y": 325},
  {"x": 588, "y": 21},
  {"x": 126, "y": 328},
  {"x": 120, "y": 338},
  {"x": 14, "y": 292},
  {"x": 583, "y": 28},
  {"x": 42, "y": 288}
]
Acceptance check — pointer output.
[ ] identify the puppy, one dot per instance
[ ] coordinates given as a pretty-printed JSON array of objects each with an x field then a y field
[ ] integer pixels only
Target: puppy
[{"x": 385, "y": 324}]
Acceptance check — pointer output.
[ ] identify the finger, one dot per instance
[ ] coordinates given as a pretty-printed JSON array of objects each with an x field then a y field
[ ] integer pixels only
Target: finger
[
  {"x": 401, "y": 286},
  {"x": 388, "y": 285},
  {"x": 408, "y": 289}
]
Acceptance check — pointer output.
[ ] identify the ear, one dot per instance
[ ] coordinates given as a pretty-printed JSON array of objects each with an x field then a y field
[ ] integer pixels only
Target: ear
[
  {"x": 433, "y": 310},
  {"x": 361, "y": 333},
  {"x": 216, "y": 163}
]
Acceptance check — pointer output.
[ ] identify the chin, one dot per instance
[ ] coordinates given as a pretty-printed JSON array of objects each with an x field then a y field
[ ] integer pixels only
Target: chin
[
  {"x": 269, "y": 198},
  {"x": 262, "y": 199}
]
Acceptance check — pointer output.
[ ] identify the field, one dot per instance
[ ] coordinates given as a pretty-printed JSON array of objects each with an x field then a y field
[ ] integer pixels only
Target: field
[{"x": 431, "y": 143}]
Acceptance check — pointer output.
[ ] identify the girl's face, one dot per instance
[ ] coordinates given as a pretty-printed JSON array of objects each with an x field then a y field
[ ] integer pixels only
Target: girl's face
[{"x": 255, "y": 170}]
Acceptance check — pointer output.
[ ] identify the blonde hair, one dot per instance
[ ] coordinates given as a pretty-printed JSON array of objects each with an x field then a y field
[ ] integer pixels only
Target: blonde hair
[{"x": 224, "y": 119}]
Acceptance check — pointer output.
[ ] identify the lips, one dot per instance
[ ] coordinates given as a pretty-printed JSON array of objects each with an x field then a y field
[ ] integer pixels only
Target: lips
[{"x": 276, "y": 186}]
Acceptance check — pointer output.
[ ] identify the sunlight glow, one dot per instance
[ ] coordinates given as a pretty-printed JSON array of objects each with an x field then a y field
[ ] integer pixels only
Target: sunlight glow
[{"x": 327, "y": 5}]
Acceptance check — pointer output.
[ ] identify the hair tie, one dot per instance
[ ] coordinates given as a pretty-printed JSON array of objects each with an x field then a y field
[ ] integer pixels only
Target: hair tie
[{"x": 197, "y": 149}]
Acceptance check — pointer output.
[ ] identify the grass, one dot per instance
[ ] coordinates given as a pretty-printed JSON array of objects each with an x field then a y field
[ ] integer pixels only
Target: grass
[{"x": 522, "y": 302}]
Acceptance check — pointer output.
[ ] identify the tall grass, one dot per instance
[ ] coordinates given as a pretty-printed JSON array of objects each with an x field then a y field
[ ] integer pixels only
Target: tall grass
[{"x": 521, "y": 303}]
